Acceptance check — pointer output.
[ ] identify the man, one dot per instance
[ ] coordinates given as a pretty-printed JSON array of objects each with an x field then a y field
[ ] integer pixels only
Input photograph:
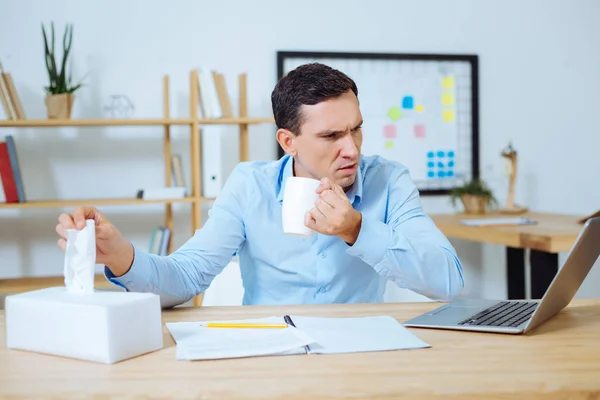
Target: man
[{"x": 368, "y": 218}]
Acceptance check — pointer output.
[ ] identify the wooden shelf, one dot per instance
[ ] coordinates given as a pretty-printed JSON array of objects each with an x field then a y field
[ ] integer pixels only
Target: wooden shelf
[
  {"x": 20, "y": 285},
  {"x": 96, "y": 202},
  {"x": 49, "y": 123},
  {"x": 235, "y": 121}
]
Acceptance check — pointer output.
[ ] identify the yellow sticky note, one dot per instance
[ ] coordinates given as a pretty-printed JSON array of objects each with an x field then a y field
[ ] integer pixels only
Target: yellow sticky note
[
  {"x": 448, "y": 82},
  {"x": 419, "y": 108},
  {"x": 394, "y": 113},
  {"x": 389, "y": 144},
  {"x": 448, "y": 99},
  {"x": 448, "y": 115}
]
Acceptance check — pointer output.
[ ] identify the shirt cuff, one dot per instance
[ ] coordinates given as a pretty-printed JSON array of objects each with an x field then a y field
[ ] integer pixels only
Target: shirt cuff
[
  {"x": 373, "y": 241},
  {"x": 136, "y": 279}
]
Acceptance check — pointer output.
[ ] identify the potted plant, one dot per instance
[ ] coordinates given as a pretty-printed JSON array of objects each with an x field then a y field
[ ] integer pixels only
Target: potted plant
[
  {"x": 475, "y": 196},
  {"x": 59, "y": 92}
]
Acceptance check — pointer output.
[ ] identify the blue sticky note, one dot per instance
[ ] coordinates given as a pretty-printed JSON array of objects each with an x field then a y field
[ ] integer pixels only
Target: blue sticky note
[
  {"x": 431, "y": 164},
  {"x": 450, "y": 154},
  {"x": 451, "y": 164},
  {"x": 440, "y": 154},
  {"x": 408, "y": 102},
  {"x": 440, "y": 165},
  {"x": 430, "y": 174},
  {"x": 450, "y": 173},
  {"x": 430, "y": 154},
  {"x": 441, "y": 174}
]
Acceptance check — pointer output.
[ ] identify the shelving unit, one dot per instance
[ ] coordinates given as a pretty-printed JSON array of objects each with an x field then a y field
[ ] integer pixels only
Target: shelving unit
[{"x": 195, "y": 198}]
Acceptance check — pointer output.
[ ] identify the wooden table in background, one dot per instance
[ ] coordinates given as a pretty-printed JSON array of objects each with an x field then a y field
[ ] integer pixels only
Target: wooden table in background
[
  {"x": 553, "y": 233},
  {"x": 560, "y": 359}
]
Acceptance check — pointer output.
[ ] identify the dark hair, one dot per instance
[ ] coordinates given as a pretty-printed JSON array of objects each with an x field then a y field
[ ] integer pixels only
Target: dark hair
[{"x": 308, "y": 84}]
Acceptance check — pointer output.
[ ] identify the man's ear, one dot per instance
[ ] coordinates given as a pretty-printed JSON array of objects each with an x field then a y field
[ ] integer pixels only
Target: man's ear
[{"x": 287, "y": 141}]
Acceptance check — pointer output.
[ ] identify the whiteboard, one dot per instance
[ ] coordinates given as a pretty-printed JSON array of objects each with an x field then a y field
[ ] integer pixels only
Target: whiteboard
[{"x": 418, "y": 110}]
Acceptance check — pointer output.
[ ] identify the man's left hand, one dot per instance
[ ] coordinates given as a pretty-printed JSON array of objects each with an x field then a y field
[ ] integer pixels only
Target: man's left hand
[{"x": 333, "y": 214}]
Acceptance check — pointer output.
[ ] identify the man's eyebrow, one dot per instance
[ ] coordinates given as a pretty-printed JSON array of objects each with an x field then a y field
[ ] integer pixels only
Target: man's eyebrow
[{"x": 336, "y": 131}]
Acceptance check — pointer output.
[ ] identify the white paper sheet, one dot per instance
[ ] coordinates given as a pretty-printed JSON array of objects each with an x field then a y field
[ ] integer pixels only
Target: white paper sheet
[
  {"x": 322, "y": 335},
  {"x": 497, "y": 221},
  {"x": 197, "y": 342},
  {"x": 351, "y": 335}
]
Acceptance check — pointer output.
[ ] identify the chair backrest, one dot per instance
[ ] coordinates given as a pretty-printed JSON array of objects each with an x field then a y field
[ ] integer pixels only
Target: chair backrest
[{"x": 226, "y": 288}]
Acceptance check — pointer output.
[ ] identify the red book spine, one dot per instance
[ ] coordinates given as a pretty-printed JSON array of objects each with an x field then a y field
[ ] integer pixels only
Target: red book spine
[{"x": 6, "y": 173}]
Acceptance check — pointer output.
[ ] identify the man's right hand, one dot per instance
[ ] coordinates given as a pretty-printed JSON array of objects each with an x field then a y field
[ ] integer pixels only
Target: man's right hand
[{"x": 112, "y": 249}]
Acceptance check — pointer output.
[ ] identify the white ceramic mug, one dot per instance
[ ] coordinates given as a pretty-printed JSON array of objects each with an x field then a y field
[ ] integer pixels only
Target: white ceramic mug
[{"x": 298, "y": 198}]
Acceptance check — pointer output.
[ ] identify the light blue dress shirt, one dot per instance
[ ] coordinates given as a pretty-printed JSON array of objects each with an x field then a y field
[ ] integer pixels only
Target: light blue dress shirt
[{"x": 397, "y": 241}]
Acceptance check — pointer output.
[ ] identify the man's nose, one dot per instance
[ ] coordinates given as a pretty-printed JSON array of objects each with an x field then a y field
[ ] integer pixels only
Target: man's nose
[{"x": 349, "y": 148}]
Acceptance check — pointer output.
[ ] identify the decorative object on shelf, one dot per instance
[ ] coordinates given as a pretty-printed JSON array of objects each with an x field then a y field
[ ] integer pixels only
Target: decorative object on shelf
[
  {"x": 511, "y": 208},
  {"x": 59, "y": 92},
  {"x": 9, "y": 97},
  {"x": 119, "y": 106},
  {"x": 475, "y": 196}
]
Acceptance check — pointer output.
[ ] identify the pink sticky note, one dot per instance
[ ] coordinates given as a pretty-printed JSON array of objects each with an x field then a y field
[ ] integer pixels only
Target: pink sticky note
[
  {"x": 419, "y": 130},
  {"x": 389, "y": 131}
]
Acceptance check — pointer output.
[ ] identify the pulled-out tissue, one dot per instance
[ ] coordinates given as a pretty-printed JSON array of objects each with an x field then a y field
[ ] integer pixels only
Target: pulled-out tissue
[{"x": 80, "y": 258}]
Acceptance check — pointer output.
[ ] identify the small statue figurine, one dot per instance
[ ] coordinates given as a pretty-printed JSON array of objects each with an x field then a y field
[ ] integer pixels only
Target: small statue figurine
[{"x": 511, "y": 208}]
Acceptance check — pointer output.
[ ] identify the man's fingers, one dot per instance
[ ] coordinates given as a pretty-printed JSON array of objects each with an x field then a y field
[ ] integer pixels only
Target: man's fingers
[
  {"x": 80, "y": 214},
  {"x": 62, "y": 243},
  {"x": 66, "y": 220},
  {"x": 62, "y": 232},
  {"x": 323, "y": 206},
  {"x": 332, "y": 198},
  {"x": 324, "y": 185}
]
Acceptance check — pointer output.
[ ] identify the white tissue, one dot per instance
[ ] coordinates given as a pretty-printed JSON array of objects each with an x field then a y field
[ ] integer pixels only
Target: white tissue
[{"x": 80, "y": 258}]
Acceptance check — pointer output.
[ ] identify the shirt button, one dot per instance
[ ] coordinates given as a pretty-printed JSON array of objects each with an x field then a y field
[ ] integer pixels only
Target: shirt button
[
  {"x": 322, "y": 290},
  {"x": 323, "y": 255}
]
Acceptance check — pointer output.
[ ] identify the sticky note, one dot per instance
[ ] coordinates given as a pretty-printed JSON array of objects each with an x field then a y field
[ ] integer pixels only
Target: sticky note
[
  {"x": 430, "y": 174},
  {"x": 419, "y": 131},
  {"x": 419, "y": 108},
  {"x": 390, "y": 131},
  {"x": 430, "y": 154},
  {"x": 448, "y": 115},
  {"x": 441, "y": 154},
  {"x": 389, "y": 144},
  {"x": 408, "y": 102},
  {"x": 448, "y": 82},
  {"x": 394, "y": 113},
  {"x": 448, "y": 99}
]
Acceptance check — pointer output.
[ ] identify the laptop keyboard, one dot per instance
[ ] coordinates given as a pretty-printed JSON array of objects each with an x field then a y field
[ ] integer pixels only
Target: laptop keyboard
[{"x": 504, "y": 313}]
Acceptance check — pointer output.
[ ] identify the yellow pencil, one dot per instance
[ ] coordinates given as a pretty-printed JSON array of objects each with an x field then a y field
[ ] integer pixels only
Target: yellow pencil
[{"x": 245, "y": 325}]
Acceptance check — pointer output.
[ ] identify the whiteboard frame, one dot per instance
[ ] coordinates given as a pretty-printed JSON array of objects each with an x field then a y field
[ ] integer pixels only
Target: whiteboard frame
[{"x": 472, "y": 59}]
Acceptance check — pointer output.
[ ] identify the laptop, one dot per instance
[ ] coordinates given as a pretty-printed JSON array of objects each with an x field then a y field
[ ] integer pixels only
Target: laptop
[{"x": 520, "y": 316}]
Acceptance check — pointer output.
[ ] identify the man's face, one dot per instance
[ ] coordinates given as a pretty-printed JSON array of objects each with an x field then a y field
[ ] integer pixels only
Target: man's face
[{"x": 330, "y": 140}]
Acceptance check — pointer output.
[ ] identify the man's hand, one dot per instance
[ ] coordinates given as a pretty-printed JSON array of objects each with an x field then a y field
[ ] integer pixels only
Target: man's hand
[
  {"x": 333, "y": 214},
  {"x": 112, "y": 249}
]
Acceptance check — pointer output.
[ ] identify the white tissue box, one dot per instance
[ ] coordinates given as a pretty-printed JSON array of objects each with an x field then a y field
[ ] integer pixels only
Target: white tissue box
[{"x": 104, "y": 327}]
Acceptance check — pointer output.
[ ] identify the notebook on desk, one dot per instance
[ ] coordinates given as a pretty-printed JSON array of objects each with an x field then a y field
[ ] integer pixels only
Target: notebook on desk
[{"x": 307, "y": 335}]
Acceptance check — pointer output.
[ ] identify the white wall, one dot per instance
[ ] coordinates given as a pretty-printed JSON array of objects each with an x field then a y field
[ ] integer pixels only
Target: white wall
[{"x": 538, "y": 77}]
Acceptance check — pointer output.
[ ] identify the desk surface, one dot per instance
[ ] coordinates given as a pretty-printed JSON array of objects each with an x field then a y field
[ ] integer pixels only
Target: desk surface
[
  {"x": 553, "y": 233},
  {"x": 560, "y": 359}
]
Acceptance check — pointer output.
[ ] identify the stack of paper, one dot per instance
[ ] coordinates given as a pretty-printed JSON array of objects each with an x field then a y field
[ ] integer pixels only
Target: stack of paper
[
  {"x": 313, "y": 335},
  {"x": 497, "y": 221}
]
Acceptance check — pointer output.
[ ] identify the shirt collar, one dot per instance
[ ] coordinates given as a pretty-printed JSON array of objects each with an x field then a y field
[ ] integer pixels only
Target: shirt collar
[{"x": 355, "y": 193}]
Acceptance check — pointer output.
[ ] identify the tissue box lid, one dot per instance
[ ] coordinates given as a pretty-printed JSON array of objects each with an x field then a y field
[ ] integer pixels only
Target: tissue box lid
[{"x": 60, "y": 294}]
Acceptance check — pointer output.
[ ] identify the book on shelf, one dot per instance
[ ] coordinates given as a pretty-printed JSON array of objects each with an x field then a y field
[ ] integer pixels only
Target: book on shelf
[
  {"x": 159, "y": 241},
  {"x": 10, "y": 172},
  {"x": 213, "y": 96},
  {"x": 177, "y": 171},
  {"x": 9, "y": 97}
]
